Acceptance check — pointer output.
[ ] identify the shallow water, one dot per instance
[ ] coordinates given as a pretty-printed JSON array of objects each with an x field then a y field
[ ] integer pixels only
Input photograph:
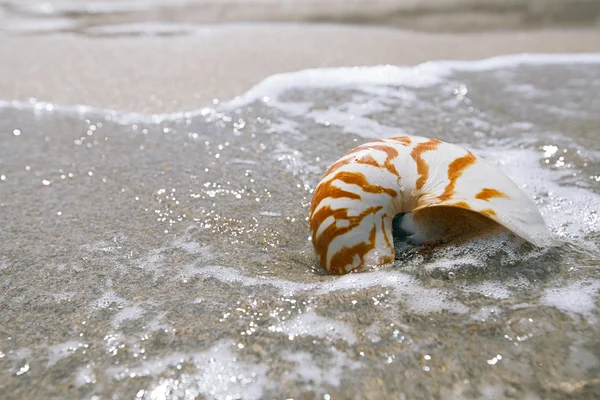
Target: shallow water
[
  {"x": 174, "y": 17},
  {"x": 168, "y": 256}
]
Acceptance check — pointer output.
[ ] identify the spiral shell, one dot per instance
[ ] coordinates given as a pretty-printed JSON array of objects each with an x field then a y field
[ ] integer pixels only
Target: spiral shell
[{"x": 354, "y": 205}]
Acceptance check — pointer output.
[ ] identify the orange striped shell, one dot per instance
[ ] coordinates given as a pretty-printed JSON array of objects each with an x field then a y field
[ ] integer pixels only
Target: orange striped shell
[{"x": 360, "y": 194}]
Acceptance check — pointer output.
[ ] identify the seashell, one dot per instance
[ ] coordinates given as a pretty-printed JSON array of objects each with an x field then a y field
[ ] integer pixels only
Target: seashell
[{"x": 439, "y": 189}]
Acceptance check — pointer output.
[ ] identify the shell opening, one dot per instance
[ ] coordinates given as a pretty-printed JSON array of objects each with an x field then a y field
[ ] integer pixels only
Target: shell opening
[
  {"x": 444, "y": 224},
  {"x": 404, "y": 228}
]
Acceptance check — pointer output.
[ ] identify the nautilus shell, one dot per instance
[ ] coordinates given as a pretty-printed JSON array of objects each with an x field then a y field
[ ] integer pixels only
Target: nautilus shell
[{"x": 427, "y": 182}]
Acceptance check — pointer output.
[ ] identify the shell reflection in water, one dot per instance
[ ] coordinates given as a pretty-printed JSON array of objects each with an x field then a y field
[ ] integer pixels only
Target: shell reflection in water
[{"x": 430, "y": 190}]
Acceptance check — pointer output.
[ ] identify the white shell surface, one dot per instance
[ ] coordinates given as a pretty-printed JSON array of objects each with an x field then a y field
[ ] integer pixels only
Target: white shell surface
[{"x": 355, "y": 202}]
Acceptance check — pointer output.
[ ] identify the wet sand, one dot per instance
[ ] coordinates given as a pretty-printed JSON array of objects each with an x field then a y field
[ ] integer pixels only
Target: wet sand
[
  {"x": 144, "y": 259},
  {"x": 171, "y": 260},
  {"x": 157, "y": 74}
]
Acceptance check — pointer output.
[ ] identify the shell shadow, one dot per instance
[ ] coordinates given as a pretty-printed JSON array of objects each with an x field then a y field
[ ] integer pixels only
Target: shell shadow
[{"x": 468, "y": 246}]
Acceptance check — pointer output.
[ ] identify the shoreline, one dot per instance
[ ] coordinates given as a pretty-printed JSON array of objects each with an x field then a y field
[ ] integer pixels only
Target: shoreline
[
  {"x": 420, "y": 15},
  {"x": 162, "y": 74}
]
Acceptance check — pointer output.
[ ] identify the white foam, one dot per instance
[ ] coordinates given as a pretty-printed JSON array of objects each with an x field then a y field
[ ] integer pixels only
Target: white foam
[
  {"x": 418, "y": 299},
  {"x": 127, "y": 314},
  {"x": 109, "y": 297},
  {"x": 270, "y": 214},
  {"x": 64, "y": 296},
  {"x": 219, "y": 375},
  {"x": 61, "y": 351},
  {"x": 153, "y": 261},
  {"x": 113, "y": 342},
  {"x": 484, "y": 313},
  {"x": 103, "y": 246},
  {"x": 488, "y": 289},
  {"x": 311, "y": 324},
  {"x": 232, "y": 275},
  {"x": 155, "y": 324},
  {"x": 423, "y": 75},
  {"x": 151, "y": 367},
  {"x": 366, "y": 78},
  {"x": 307, "y": 370},
  {"x": 424, "y": 301},
  {"x": 354, "y": 123},
  {"x": 192, "y": 247},
  {"x": 575, "y": 298},
  {"x": 272, "y": 87},
  {"x": 84, "y": 376},
  {"x": 125, "y": 118}
]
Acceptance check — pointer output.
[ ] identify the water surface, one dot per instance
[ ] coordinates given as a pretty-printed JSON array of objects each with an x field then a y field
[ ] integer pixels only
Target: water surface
[{"x": 169, "y": 256}]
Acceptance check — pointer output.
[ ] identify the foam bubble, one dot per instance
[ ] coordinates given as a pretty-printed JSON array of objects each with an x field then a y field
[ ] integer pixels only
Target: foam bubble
[
  {"x": 61, "y": 351},
  {"x": 502, "y": 247},
  {"x": 84, "y": 376},
  {"x": 127, "y": 314},
  {"x": 311, "y": 324},
  {"x": 108, "y": 298},
  {"x": 192, "y": 247},
  {"x": 575, "y": 298},
  {"x": 488, "y": 289},
  {"x": 64, "y": 296},
  {"x": 484, "y": 313},
  {"x": 153, "y": 261},
  {"x": 218, "y": 374},
  {"x": 232, "y": 275},
  {"x": 307, "y": 370},
  {"x": 155, "y": 324},
  {"x": 373, "y": 333}
]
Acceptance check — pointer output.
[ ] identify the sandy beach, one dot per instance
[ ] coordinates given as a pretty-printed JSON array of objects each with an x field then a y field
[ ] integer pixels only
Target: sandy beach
[
  {"x": 173, "y": 257},
  {"x": 162, "y": 56},
  {"x": 159, "y": 74}
]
